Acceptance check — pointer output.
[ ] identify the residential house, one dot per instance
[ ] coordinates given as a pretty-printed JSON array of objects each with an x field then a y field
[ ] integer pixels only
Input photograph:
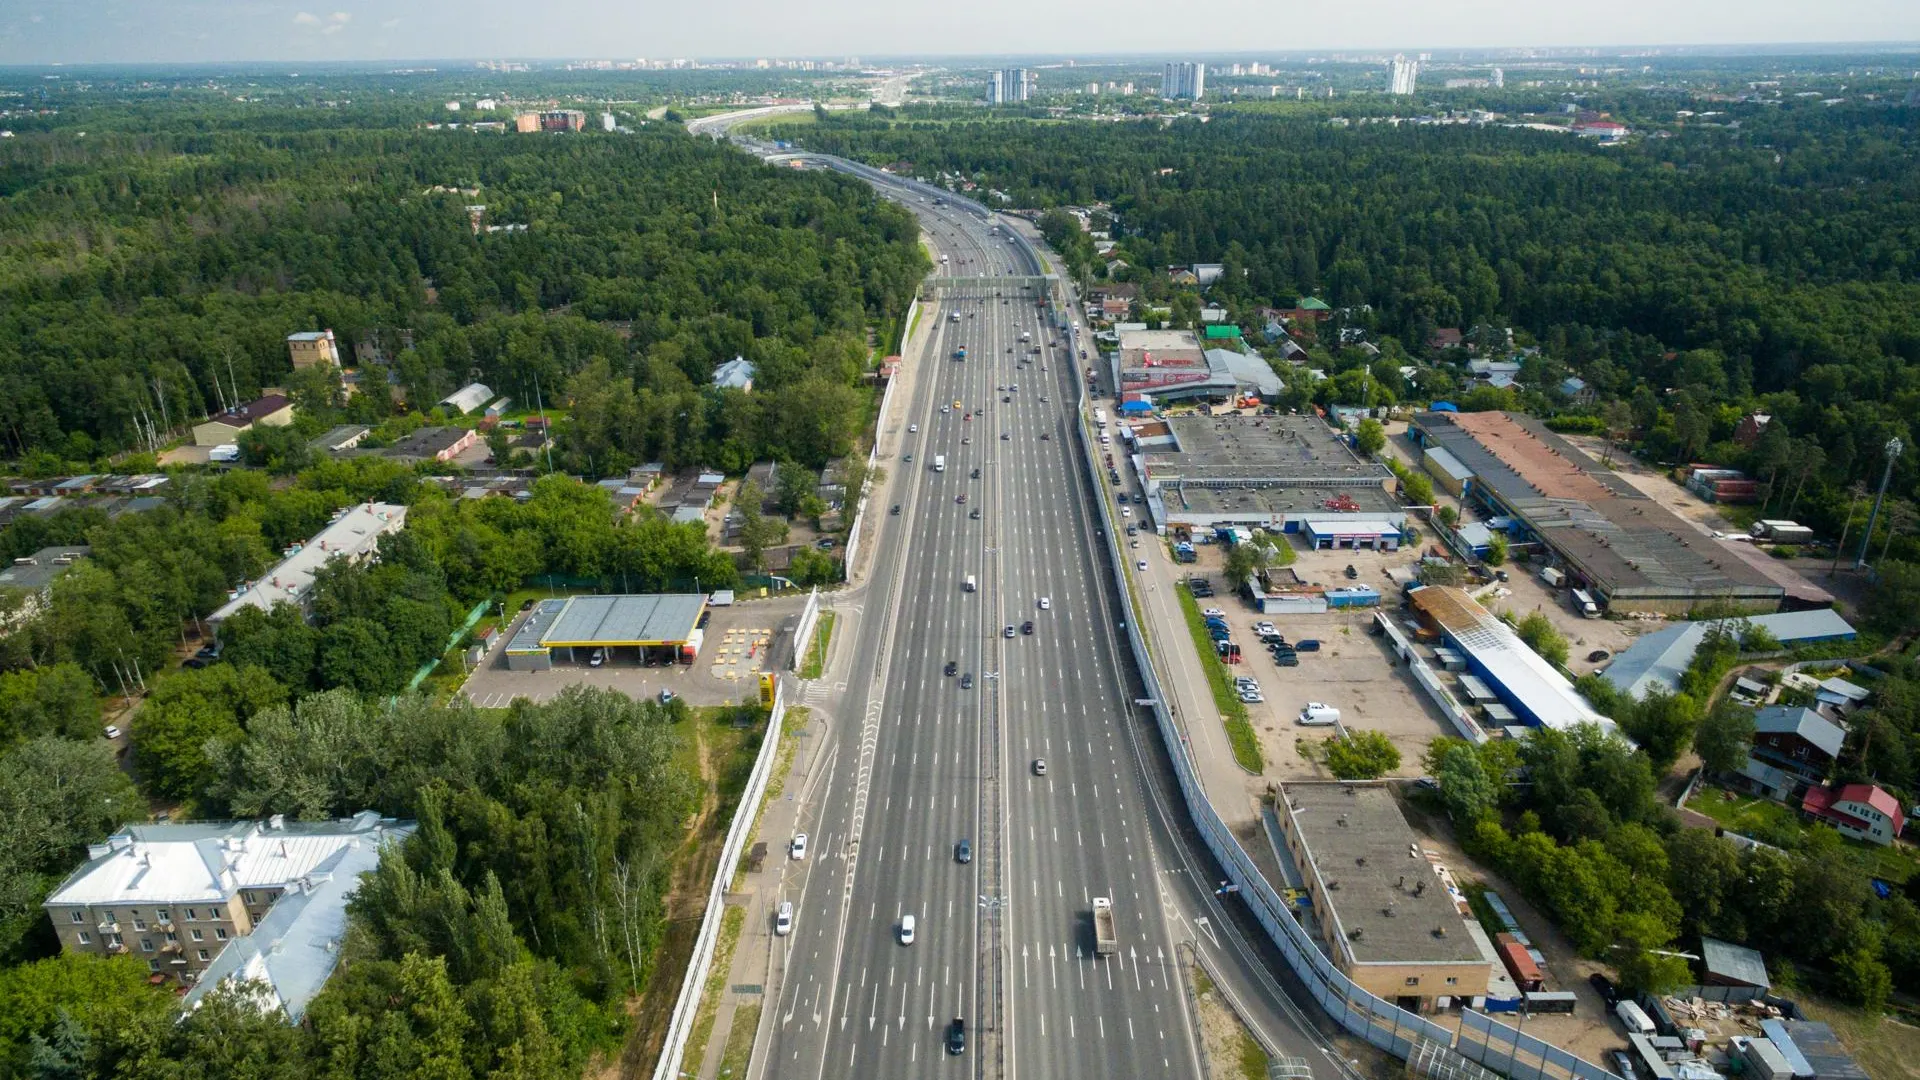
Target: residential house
[
  {"x": 1446, "y": 337},
  {"x": 312, "y": 348},
  {"x": 1183, "y": 276},
  {"x": 735, "y": 374},
  {"x": 1494, "y": 372},
  {"x": 1840, "y": 695},
  {"x": 207, "y": 902},
  {"x": 1310, "y": 310},
  {"x": 440, "y": 444},
  {"x": 354, "y": 534},
  {"x": 1750, "y": 428},
  {"x": 272, "y": 410},
  {"x": 1862, "y": 811},
  {"x": 1205, "y": 274},
  {"x": 343, "y": 437},
  {"x": 1576, "y": 389},
  {"x": 1794, "y": 748}
]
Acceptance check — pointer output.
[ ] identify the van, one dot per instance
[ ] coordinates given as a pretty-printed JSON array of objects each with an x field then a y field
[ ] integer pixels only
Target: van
[
  {"x": 969, "y": 585},
  {"x": 1633, "y": 1018},
  {"x": 1318, "y": 714},
  {"x": 1583, "y": 603}
]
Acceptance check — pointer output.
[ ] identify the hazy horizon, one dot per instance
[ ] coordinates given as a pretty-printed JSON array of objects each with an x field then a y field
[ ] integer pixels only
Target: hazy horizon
[{"x": 94, "y": 32}]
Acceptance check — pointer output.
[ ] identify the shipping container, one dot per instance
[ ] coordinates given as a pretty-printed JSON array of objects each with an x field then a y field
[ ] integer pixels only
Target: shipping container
[{"x": 1526, "y": 974}]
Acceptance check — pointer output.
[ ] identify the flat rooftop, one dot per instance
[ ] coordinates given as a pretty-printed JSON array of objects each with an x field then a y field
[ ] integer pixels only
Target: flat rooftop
[
  {"x": 355, "y": 533},
  {"x": 1496, "y": 654},
  {"x": 38, "y": 570},
  {"x": 1276, "y": 501},
  {"x": 1278, "y": 450},
  {"x": 666, "y": 619},
  {"x": 1627, "y": 544},
  {"x": 1368, "y": 861}
]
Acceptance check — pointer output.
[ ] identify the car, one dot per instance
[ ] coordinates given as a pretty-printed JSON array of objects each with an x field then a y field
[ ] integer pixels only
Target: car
[
  {"x": 953, "y": 668},
  {"x": 1622, "y": 1063},
  {"x": 1008, "y": 632},
  {"x": 1306, "y": 645},
  {"x": 1122, "y": 497},
  {"x": 1004, "y": 399},
  {"x": 1005, "y": 436},
  {"x": 667, "y": 696},
  {"x": 966, "y": 681},
  {"x": 974, "y": 513},
  {"x": 963, "y": 851},
  {"x": 895, "y": 511},
  {"x": 1045, "y": 437},
  {"x": 1039, "y": 766},
  {"x": 1213, "y": 613},
  {"x": 1286, "y": 658},
  {"x": 1264, "y": 627},
  {"x": 1046, "y": 603},
  {"x": 599, "y": 657},
  {"x": 960, "y": 498},
  {"x": 798, "y": 848},
  {"x": 212, "y": 652},
  {"x": 1140, "y": 565},
  {"x": 966, "y": 440},
  {"x": 1351, "y": 572},
  {"x": 906, "y": 929},
  {"x": 1501, "y": 575},
  {"x": 976, "y": 474},
  {"x": 783, "y": 922},
  {"x": 1605, "y": 987},
  {"x": 957, "y": 1036},
  {"x": 1133, "y": 530},
  {"x": 908, "y": 459},
  {"x": 1133, "y": 543},
  {"x": 193, "y": 662},
  {"x": 946, "y": 410},
  {"x": 112, "y": 732},
  {"x": 1597, "y": 655},
  {"x": 968, "y": 417},
  {"x": 1000, "y": 388},
  {"x": 1251, "y": 698},
  {"x": 913, "y": 429},
  {"x": 825, "y": 543},
  {"x": 1027, "y": 627}
]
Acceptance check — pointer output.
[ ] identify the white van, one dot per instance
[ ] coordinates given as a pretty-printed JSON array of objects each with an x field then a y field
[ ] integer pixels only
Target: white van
[
  {"x": 1319, "y": 714},
  {"x": 969, "y": 585},
  {"x": 1633, "y": 1018}
]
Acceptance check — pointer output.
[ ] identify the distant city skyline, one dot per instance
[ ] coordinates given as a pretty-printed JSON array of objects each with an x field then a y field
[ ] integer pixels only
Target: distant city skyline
[{"x": 205, "y": 31}]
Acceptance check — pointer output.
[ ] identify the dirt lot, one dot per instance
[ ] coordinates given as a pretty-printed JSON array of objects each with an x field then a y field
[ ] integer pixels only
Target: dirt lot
[
  {"x": 741, "y": 641},
  {"x": 1527, "y": 593}
]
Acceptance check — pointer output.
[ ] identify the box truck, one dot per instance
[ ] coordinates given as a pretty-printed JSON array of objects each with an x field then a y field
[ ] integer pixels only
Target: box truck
[
  {"x": 939, "y": 463},
  {"x": 1584, "y": 604},
  {"x": 1553, "y": 576},
  {"x": 1106, "y": 941}
]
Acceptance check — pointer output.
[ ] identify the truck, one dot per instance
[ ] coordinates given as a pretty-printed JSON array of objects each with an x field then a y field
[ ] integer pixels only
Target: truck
[
  {"x": 960, "y": 353},
  {"x": 1553, "y": 576},
  {"x": 1100, "y": 419},
  {"x": 970, "y": 585},
  {"x": 1781, "y": 532},
  {"x": 953, "y": 316},
  {"x": 1105, "y": 941},
  {"x": 1583, "y": 603},
  {"x": 939, "y": 463},
  {"x": 1025, "y": 336}
]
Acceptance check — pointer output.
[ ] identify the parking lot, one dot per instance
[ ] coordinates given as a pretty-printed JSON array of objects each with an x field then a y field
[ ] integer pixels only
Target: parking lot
[
  {"x": 740, "y": 642},
  {"x": 1351, "y": 671},
  {"x": 1524, "y": 592}
]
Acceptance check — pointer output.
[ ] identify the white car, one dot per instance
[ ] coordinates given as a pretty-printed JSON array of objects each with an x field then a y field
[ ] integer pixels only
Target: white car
[
  {"x": 798, "y": 849},
  {"x": 1251, "y": 697},
  {"x": 913, "y": 429},
  {"x": 1140, "y": 565},
  {"x": 599, "y": 657},
  {"x": 1126, "y": 511},
  {"x": 906, "y": 929},
  {"x": 1213, "y": 613},
  {"x": 112, "y": 732},
  {"x": 1265, "y": 628},
  {"x": 1046, "y": 603},
  {"x": 783, "y": 922}
]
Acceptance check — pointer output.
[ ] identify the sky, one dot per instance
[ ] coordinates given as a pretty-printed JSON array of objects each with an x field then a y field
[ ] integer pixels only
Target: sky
[{"x": 196, "y": 31}]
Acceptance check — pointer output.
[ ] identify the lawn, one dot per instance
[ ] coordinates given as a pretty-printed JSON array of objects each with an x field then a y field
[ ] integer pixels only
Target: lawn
[
  {"x": 816, "y": 662},
  {"x": 1780, "y": 825},
  {"x": 1233, "y": 711}
]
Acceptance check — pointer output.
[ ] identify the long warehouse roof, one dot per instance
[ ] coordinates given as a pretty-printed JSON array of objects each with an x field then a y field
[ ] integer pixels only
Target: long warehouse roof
[{"x": 1507, "y": 660}]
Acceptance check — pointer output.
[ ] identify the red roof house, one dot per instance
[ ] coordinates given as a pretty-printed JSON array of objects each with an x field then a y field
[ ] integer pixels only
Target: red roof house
[{"x": 1862, "y": 811}]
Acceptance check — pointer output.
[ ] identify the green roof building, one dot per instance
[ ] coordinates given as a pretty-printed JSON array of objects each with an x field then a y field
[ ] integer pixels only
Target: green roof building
[{"x": 1221, "y": 331}]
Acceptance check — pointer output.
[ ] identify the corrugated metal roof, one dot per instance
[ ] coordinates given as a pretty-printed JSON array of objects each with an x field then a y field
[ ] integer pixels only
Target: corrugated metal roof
[
  {"x": 1735, "y": 962},
  {"x": 1518, "y": 674},
  {"x": 1657, "y": 660},
  {"x": 626, "y": 620}
]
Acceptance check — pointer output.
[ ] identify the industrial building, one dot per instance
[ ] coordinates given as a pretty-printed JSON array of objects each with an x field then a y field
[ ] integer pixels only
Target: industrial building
[
  {"x": 1520, "y": 678},
  {"x": 205, "y": 903},
  {"x": 1633, "y": 553},
  {"x": 438, "y": 444},
  {"x": 1289, "y": 474},
  {"x": 354, "y": 533},
  {"x": 622, "y": 629},
  {"x": 1657, "y": 660},
  {"x": 1388, "y": 921},
  {"x": 1173, "y": 365}
]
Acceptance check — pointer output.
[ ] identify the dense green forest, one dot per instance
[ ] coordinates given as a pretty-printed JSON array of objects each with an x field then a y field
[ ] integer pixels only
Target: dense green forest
[{"x": 148, "y": 272}]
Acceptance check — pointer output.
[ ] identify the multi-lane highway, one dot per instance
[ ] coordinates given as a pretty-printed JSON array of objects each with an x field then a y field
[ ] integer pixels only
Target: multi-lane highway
[{"x": 927, "y": 759}]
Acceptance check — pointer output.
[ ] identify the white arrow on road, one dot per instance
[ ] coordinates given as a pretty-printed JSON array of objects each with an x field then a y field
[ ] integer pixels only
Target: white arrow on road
[
  {"x": 1135, "y": 954},
  {"x": 1023, "y": 968},
  {"x": 1051, "y": 971}
]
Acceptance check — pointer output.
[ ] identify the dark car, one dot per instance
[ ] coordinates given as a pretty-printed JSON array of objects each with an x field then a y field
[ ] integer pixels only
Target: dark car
[
  {"x": 966, "y": 681},
  {"x": 895, "y": 511},
  {"x": 960, "y": 498},
  {"x": 976, "y": 474},
  {"x": 974, "y": 514},
  {"x": 1605, "y": 988},
  {"x": 1306, "y": 645},
  {"x": 963, "y": 851},
  {"x": 1286, "y": 658},
  {"x": 1597, "y": 655},
  {"x": 1351, "y": 572},
  {"x": 957, "y": 1036},
  {"x": 953, "y": 668}
]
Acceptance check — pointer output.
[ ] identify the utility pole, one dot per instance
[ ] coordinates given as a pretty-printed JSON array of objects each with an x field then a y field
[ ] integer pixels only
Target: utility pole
[{"x": 1894, "y": 447}]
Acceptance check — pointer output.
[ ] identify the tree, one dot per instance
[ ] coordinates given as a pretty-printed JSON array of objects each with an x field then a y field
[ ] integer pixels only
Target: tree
[
  {"x": 54, "y": 700},
  {"x": 1497, "y": 550},
  {"x": 50, "y": 1008},
  {"x": 793, "y": 483},
  {"x": 56, "y": 796},
  {"x": 1639, "y": 941},
  {"x": 357, "y": 654},
  {"x": 1863, "y": 979},
  {"x": 1465, "y": 787},
  {"x": 1723, "y": 735},
  {"x": 1540, "y": 635},
  {"x": 1663, "y": 724},
  {"x": 1249, "y": 558},
  {"x": 1370, "y": 437},
  {"x": 1361, "y": 755},
  {"x": 1448, "y": 515},
  {"x": 757, "y": 531},
  {"x": 188, "y": 710},
  {"x": 1894, "y": 604}
]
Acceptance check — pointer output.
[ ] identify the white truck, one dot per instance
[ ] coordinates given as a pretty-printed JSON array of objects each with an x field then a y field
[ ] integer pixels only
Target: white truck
[
  {"x": 939, "y": 463},
  {"x": 1106, "y": 941},
  {"x": 1100, "y": 419},
  {"x": 1553, "y": 576},
  {"x": 1025, "y": 336},
  {"x": 969, "y": 585},
  {"x": 1583, "y": 603}
]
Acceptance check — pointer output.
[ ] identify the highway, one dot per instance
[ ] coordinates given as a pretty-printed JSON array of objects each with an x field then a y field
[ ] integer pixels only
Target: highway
[{"x": 1004, "y": 941}]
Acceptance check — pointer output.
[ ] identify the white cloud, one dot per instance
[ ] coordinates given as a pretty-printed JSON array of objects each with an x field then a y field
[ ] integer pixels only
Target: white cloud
[
  {"x": 391, "y": 23},
  {"x": 341, "y": 16},
  {"x": 306, "y": 18}
]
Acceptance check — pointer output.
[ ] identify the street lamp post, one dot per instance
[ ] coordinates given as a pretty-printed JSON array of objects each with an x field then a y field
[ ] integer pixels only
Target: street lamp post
[{"x": 1894, "y": 447}]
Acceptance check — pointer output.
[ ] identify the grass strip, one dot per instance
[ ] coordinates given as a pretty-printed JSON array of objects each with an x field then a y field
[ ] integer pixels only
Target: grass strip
[
  {"x": 1233, "y": 711},
  {"x": 731, "y": 924},
  {"x": 817, "y": 652}
]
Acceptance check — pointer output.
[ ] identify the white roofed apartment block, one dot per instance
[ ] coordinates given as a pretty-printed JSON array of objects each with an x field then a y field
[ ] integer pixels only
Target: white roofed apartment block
[
  {"x": 354, "y": 534},
  {"x": 203, "y": 903},
  {"x": 468, "y": 398}
]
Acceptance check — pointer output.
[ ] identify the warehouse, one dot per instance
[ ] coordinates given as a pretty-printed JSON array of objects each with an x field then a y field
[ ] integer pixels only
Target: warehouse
[
  {"x": 1279, "y": 472},
  {"x": 1634, "y": 553},
  {"x": 1657, "y": 660},
  {"x": 1503, "y": 664},
  {"x": 630, "y": 629},
  {"x": 1388, "y": 921}
]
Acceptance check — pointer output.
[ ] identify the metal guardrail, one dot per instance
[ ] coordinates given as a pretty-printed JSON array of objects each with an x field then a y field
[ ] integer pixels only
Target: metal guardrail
[{"x": 745, "y": 814}]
